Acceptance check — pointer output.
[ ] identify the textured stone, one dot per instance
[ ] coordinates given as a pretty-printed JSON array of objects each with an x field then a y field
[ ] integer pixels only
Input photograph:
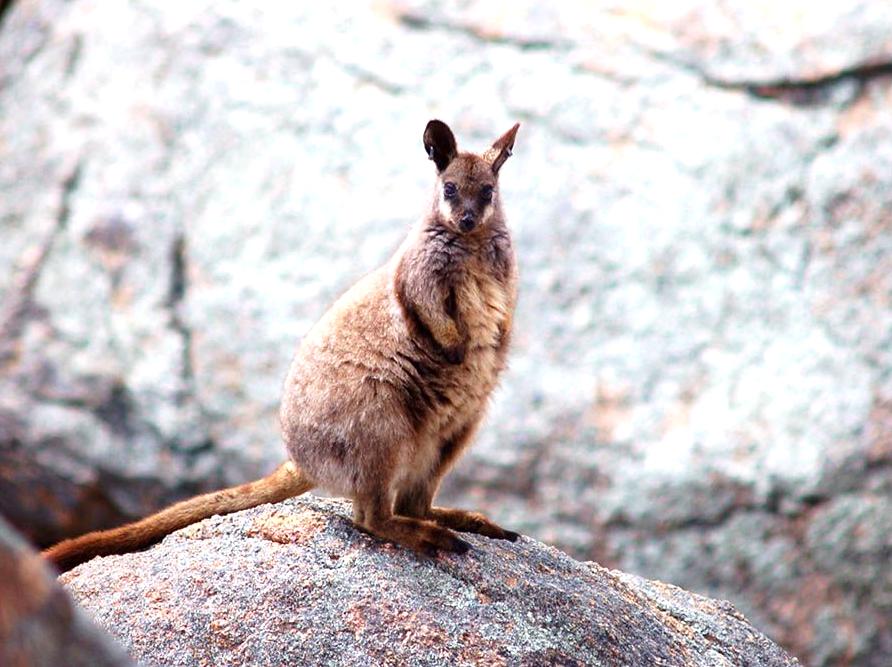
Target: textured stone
[
  {"x": 700, "y": 199},
  {"x": 297, "y": 583},
  {"x": 39, "y": 624}
]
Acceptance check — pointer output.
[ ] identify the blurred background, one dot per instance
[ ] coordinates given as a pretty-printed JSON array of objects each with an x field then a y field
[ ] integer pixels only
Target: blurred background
[{"x": 700, "y": 388}]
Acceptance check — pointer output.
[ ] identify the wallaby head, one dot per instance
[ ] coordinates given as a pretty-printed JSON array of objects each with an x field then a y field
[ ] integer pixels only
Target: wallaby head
[{"x": 467, "y": 192}]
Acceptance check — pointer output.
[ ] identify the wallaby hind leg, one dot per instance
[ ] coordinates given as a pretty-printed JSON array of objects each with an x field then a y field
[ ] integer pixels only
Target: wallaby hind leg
[
  {"x": 470, "y": 522},
  {"x": 415, "y": 501},
  {"x": 375, "y": 514}
]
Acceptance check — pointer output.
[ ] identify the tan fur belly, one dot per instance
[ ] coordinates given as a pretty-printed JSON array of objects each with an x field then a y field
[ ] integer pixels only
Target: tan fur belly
[{"x": 485, "y": 309}]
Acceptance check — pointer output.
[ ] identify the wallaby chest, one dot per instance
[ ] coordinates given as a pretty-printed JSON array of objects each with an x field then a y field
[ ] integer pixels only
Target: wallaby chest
[{"x": 484, "y": 305}]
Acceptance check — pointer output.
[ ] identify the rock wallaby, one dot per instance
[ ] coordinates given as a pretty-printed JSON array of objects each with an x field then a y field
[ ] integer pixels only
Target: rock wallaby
[{"x": 388, "y": 388}]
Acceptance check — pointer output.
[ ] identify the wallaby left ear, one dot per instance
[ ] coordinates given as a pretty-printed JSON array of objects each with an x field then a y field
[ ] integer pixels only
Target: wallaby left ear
[
  {"x": 501, "y": 149},
  {"x": 439, "y": 142}
]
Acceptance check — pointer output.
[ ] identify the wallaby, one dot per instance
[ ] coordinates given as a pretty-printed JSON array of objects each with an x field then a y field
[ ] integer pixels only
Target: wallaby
[{"x": 388, "y": 388}]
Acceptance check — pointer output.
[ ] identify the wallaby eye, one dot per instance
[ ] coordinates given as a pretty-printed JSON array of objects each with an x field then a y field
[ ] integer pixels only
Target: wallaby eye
[
  {"x": 449, "y": 190},
  {"x": 486, "y": 193}
]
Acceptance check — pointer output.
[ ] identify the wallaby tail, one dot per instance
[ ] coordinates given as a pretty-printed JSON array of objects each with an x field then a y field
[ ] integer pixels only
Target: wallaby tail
[{"x": 285, "y": 482}]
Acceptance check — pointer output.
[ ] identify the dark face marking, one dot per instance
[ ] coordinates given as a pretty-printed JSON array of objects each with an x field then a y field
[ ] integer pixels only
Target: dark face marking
[{"x": 468, "y": 192}]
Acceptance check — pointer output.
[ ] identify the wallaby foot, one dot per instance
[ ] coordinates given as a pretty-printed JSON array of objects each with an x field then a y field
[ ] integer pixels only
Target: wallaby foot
[
  {"x": 470, "y": 522},
  {"x": 422, "y": 536}
]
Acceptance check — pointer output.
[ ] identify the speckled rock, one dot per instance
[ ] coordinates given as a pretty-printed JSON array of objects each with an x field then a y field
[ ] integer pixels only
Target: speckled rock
[
  {"x": 297, "y": 584},
  {"x": 39, "y": 624},
  {"x": 700, "y": 388}
]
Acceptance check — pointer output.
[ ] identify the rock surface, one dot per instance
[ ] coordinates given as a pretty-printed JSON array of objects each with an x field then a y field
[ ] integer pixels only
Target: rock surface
[
  {"x": 39, "y": 624},
  {"x": 701, "y": 197},
  {"x": 297, "y": 584}
]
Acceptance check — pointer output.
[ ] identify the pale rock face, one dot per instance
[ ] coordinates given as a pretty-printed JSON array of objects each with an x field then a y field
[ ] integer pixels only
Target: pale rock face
[{"x": 700, "y": 200}]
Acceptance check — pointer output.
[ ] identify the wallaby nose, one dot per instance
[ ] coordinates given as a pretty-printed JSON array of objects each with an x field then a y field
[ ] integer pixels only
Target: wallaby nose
[{"x": 467, "y": 221}]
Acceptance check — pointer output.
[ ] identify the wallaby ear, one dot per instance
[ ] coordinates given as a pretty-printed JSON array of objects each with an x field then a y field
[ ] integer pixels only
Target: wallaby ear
[
  {"x": 439, "y": 142},
  {"x": 501, "y": 149}
]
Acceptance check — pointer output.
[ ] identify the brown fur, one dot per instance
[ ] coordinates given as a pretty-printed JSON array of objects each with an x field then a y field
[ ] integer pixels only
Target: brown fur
[{"x": 388, "y": 388}]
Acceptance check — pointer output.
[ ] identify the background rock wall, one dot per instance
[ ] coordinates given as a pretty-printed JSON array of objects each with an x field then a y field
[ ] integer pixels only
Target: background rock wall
[{"x": 701, "y": 197}]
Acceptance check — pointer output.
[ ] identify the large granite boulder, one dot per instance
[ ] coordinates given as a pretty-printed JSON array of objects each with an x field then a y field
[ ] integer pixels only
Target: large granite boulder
[
  {"x": 298, "y": 584},
  {"x": 40, "y": 626},
  {"x": 701, "y": 197}
]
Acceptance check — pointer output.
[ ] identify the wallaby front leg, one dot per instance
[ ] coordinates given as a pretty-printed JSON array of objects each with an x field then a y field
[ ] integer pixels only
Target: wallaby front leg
[
  {"x": 445, "y": 329},
  {"x": 433, "y": 312}
]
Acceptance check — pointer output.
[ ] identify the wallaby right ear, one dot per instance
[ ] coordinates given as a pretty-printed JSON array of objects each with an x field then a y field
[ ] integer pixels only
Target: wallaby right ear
[
  {"x": 501, "y": 149},
  {"x": 439, "y": 142}
]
